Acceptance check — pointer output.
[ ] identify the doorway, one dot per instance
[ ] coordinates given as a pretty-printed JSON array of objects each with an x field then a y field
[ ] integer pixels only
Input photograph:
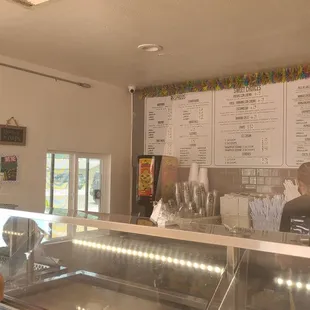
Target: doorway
[
  {"x": 74, "y": 181},
  {"x": 88, "y": 187}
]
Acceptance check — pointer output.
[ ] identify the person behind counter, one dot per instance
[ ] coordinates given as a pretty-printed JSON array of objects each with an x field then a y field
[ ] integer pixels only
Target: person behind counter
[{"x": 299, "y": 206}]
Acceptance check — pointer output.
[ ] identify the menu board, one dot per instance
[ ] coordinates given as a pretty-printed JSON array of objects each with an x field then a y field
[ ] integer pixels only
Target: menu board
[
  {"x": 249, "y": 126},
  {"x": 298, "y": 123},
  {"x": 158, "y": 126},
  {"x": 192, "y": 119},
  {"x": 243, "y": 127}
]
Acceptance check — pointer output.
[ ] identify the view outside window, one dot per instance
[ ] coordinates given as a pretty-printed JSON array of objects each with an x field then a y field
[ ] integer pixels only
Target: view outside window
[
  {"x": 69, "y": 190},
  {"x": 89, "y": 184},
  {"x": 57, "y": 181}
]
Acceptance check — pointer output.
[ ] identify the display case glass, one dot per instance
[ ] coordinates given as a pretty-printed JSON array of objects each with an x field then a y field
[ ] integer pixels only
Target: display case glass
[
  {"x": 269, "y": 281},
  {"x": 55, "y": 262},
  {"x": 56, "y": 265}
]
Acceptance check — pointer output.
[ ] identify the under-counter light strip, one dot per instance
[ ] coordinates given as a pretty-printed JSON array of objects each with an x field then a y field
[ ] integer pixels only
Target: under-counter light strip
[
  {"x": 150, "y": 256},
  {"x": 13, "y": 233},
  {"x": 289, "y": 283}
]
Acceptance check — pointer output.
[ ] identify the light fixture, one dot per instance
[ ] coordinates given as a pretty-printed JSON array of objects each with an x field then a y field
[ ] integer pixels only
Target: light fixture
[
  {"x": 149, "y": 256},
  {"x": 30, "y": 2},
  {"x": 217, "y": 269},
  {"x": 289, "y": 283},
  {"x": 13, "y": 233},
  {"x": 150, "y": 48}
]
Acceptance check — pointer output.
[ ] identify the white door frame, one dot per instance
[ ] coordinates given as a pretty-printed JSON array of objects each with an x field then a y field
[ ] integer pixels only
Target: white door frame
[
  {"x": 105, "y": 171},
  {"x": 104, "y": 178}
]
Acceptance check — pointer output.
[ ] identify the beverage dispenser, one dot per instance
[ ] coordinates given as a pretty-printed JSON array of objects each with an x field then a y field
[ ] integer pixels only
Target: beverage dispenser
[{"x": 156, "y": 178}]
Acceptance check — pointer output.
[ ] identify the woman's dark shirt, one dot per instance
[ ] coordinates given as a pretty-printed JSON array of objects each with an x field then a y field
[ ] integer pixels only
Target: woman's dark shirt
[{"x": 297, "y": 207}]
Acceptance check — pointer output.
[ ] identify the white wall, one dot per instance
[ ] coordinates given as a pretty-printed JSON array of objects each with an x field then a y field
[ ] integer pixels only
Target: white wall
[{"x": 63, "y": 117}]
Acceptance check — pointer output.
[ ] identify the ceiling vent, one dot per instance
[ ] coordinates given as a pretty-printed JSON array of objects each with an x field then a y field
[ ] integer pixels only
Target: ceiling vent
[{"x": 30, "y": 2}]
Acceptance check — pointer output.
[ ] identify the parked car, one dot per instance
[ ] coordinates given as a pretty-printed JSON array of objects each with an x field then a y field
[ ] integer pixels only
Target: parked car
[{"x": 63, "y": 179}]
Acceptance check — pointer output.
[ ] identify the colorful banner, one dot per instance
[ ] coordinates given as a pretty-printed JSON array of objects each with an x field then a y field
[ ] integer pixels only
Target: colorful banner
[{"x": 254, "y": 79}]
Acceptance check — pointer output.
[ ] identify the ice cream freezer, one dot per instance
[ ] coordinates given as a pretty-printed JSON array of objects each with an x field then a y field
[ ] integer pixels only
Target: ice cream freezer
[
  {"x": 108, "y": 265},
  {"x": 83, "y": 290}
]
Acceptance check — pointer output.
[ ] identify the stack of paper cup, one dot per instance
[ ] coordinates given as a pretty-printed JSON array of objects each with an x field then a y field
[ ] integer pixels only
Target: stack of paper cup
[
  {"x": 203, "y": 178},
  {"x": 193, "y": 173}
]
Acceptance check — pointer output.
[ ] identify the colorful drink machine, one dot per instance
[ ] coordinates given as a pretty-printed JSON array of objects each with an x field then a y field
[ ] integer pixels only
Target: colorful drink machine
[{"x": 156, "y": 179}]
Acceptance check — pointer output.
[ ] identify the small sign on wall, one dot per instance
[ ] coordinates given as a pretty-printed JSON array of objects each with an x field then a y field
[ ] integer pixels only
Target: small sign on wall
[
  {"x": 12, "y": 135},
  {"x": 9, "y": 167}
]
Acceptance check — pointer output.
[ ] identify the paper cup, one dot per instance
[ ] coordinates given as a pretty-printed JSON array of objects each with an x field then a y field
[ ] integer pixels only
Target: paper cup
[
  {"x": 203, "y": 178},
  {"x": 193, "y": 173}
]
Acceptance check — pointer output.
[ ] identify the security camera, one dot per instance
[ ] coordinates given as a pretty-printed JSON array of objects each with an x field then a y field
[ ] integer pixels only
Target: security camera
[{"x": 132, "y": 89}]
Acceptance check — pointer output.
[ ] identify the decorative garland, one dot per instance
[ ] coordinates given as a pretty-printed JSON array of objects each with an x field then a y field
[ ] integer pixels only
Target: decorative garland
[{"x": 254, "y": 79}]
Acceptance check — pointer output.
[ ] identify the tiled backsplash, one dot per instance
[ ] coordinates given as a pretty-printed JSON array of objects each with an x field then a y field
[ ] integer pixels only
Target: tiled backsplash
[
  {"x": 235, "y": 180},
  {"x": 265, "y": 181}
]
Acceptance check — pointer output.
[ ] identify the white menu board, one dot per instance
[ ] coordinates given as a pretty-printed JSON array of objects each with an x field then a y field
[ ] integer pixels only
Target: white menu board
[
  {"x": 298, "y": 123},
  {"x": 192, "y": 119},
  {"x": 158, "y": 126},
  {"x": 249, "y": 126}
]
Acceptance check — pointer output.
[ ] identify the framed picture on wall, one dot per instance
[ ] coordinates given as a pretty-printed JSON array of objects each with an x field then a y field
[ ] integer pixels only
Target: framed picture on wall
[{"x": 9, "y": 168}]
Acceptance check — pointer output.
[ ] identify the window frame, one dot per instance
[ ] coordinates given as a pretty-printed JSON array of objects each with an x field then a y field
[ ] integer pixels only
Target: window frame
[{"x": 105, "y": 179}]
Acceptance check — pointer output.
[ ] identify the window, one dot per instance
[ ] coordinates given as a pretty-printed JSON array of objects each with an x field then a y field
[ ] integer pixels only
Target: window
[
  {"x": 57, "y": 181},
  {"x": 89, "y": 184},
  {"x": 74, "y": 182}
]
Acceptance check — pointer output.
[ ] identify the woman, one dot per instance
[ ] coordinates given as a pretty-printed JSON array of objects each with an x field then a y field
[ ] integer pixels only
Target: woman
[{"x": 299, "y": 206}]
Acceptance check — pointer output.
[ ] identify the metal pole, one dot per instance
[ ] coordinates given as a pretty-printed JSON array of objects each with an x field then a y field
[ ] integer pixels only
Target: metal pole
[
  {"x": 56, "y": 78},
  {"x": 30, "y": 249},
  {"x": 233, "y": 259}
]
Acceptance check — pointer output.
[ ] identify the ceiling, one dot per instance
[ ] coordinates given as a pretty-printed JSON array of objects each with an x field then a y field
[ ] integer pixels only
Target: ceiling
[{"x": 201, "y": 38}]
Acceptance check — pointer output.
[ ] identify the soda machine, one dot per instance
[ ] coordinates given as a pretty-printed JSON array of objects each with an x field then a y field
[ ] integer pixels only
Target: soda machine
[{"x": 156, "y": 179}]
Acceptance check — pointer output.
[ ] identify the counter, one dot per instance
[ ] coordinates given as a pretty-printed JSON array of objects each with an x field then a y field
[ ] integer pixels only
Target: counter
[{"x": 91, "y": 264}]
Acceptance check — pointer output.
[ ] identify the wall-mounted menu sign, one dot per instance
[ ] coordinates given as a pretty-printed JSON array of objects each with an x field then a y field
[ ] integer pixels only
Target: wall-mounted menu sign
[
  {"x": 158, "y": 127},
  {"x": 12, "y": 135},
  {"x": 249, "y": 126},
  {"x": 298, "y": 123},
  {"x": 192, "y": 119},
  {"x": 180, "y": 126}
]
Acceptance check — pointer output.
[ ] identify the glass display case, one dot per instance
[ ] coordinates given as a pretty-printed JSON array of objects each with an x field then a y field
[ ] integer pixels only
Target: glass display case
[
  {"x": 55, "y": 262},
  {"x": 282, "y": 284}
]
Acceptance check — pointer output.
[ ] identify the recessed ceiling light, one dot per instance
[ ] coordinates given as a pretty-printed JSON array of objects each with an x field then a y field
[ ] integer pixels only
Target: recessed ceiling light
[
  {"x": 150, "y": 47},
  {"x": 31, "y": 2}
]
